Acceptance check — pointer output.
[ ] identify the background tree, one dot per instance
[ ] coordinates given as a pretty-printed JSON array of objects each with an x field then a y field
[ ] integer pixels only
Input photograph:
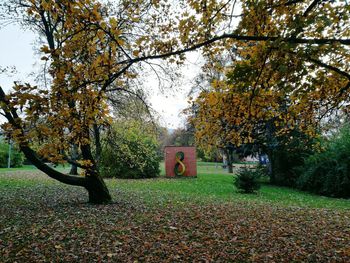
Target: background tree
[
  {"x": 327, "y": 172},
  {"x": 275, "y": 90},
  {"x": 182, "y": 137},
  {"x": 16, "y": 157}
]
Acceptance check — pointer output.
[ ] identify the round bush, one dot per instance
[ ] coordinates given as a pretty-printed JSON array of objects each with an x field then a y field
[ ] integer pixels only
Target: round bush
[
  {"x": 129, "y": 152},
  {"x": 247, "y": 180}
]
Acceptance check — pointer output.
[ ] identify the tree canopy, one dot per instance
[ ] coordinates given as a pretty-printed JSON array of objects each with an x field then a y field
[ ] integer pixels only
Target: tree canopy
[{"x": 282, "y": 85}]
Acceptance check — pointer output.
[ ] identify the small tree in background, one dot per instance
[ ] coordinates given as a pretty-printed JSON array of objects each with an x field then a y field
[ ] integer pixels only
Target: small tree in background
[
  {"x": 17, "y": 157},
  {"x": 247, "y": 180}
]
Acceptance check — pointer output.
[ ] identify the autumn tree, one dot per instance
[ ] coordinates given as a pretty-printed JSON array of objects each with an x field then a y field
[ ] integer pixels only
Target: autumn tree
[
  {"x": 275, "y": 88},
  {"x": 211, "y": 71},
  {"x": 91, "y": 48}
]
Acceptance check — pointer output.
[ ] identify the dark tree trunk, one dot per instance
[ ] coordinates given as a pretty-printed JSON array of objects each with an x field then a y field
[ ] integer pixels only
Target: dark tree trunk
[
  {"x": 97, "y": 143},
  {"x": 93, "y": 183},
  {"x": 75, "y": 155},
  {"x": 97, "y": 189},
  {"x": 270, "y": 166},
  {"x": 271, "y": 148},
  {"x": 229, "y": 160},
  {"x": 73, "y": 170}
]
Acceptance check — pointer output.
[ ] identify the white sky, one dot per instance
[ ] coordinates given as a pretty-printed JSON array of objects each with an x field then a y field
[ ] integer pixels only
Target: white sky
[
  {"x": 16, "y": 49},
  {"x": 170, "y": 104}
]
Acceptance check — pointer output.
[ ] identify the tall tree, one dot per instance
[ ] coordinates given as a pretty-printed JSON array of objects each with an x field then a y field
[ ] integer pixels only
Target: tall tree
[{"x": 272, "y": 88}]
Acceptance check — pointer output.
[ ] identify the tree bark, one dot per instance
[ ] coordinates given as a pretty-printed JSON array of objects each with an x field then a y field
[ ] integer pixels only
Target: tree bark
[
  {"x": 229, "y": 160},
  {"x": 74, "y": 167},
  {"x": 73, "y": 170},
  {"x": 92, "y": 182},
  {"x": 98, "y": 145},
  {"x": 33, "y": 158},
  {"x": 97, "y": 189}
]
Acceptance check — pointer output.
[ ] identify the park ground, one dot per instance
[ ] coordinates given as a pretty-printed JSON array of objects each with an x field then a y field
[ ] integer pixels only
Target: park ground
[{"x": 168, "y": 220}]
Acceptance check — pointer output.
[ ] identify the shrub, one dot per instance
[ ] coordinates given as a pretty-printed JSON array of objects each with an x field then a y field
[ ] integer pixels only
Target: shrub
[
  {"x": 247, "y": 180},
  {"x": 288, "y": 155},
  {"x": 328, "y": 172},
  {"x": 129, "y": 152},
  {"x": 16, "y": 156},
  {"x": 261, "y": 170}
]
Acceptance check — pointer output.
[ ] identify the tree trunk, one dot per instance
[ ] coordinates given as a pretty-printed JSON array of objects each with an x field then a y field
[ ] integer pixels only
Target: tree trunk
[
  {"x": 93, "y": 183},
  {"x": 97, "y": 143},
  {"x": 271, "y": 148},
  {"x": 270, "y": 166},
  {"x": 97, "y": 189},
  {"x": 229, "y": 161},
  {"x": 73, "y": 170},
  {"x": 75, "y": 156}
]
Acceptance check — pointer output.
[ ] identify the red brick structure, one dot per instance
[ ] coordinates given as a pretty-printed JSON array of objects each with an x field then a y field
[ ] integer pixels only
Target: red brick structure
[{"x": 189, "y": 160}]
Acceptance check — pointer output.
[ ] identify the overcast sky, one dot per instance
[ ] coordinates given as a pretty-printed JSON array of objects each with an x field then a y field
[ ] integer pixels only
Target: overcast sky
[{"x": 16, "y": 49}]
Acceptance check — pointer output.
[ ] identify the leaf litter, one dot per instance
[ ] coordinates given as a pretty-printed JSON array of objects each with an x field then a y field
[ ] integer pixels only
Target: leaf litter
[{"x": 51, "y": 222}]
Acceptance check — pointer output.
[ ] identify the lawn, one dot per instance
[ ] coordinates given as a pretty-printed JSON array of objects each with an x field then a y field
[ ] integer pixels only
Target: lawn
[
  {"x": 215, "y": 184},
  {"x": 30, "y": 167},
  {"x": 203, "y": 219}
]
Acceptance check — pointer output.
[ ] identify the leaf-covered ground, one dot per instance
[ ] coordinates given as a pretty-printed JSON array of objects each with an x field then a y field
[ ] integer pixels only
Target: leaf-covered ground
[{"x": 44, "y": 221}]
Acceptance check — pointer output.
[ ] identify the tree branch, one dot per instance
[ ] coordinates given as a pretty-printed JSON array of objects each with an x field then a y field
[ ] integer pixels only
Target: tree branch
[
  {"x": 114, "y": 76},
  {"x": 330, "y": 67},
  {"x": 288, "y": 3},
  {"x": 324, "y": 65},
  {"x": 299, "y": 29},
  {"x": 345, "y": 88},
  {"x": 317, "y": 41},
  {"x": 310, "y": 7},
  {"x": 138, "y": 96}
]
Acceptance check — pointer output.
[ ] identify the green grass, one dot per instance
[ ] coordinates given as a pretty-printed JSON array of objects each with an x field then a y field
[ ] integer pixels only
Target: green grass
[
  {"x": 23, "y": 168},
  {"x": 25, "y": 176},
  {"x": 213, "y": 184},
  {"x": 30, "y": 167}
]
